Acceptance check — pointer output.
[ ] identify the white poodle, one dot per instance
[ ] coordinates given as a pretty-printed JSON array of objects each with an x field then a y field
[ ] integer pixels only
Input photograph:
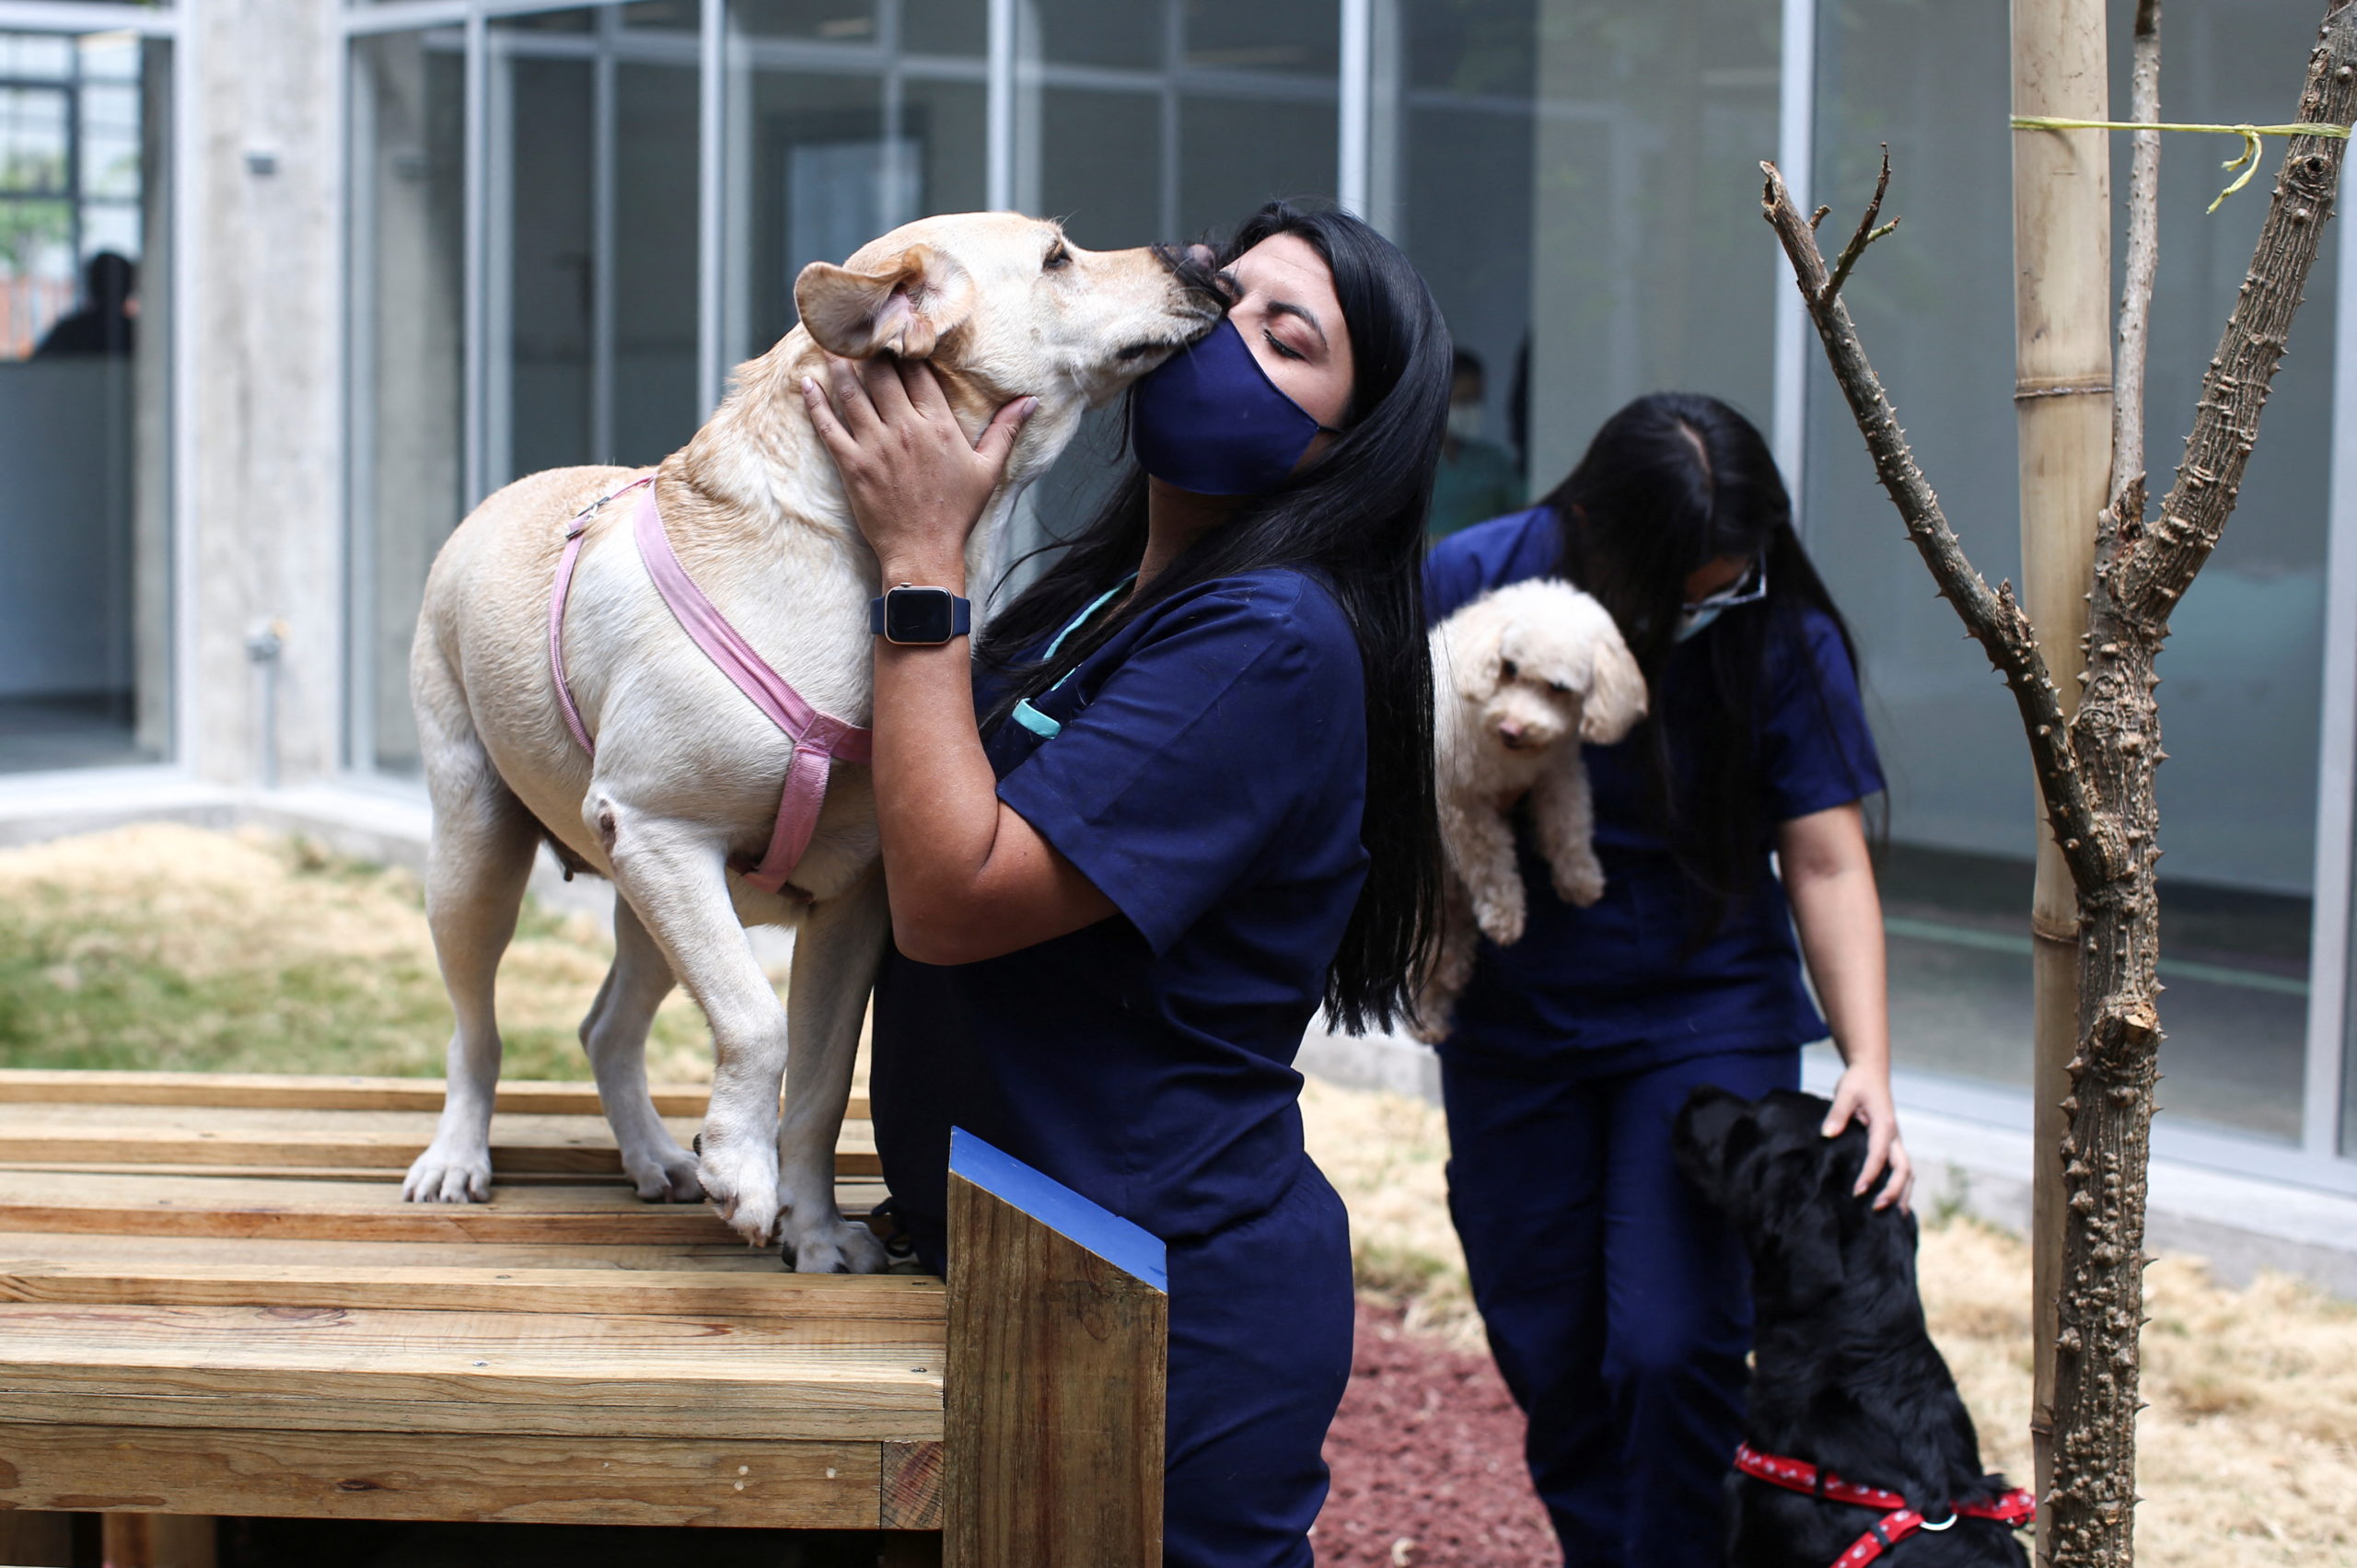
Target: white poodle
[{"x": 1520, "y": 679}]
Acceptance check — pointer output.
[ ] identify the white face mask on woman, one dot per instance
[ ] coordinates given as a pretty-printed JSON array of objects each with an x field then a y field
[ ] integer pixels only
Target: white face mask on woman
[
  {"x": 1750, "y": 589},
  {"x": 1463, "y": 422}
]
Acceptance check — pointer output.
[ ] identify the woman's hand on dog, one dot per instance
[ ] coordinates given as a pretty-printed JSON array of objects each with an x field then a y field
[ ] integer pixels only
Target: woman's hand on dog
[
  {"x": 917, "y": 486},
  {"x": 1863, "y": 1095}
]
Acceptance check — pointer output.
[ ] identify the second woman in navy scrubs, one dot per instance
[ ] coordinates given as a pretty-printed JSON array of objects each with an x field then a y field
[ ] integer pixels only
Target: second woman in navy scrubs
[
  {"x": 1197, "y": 803},
  {"x": 1617, "y": 1305}
]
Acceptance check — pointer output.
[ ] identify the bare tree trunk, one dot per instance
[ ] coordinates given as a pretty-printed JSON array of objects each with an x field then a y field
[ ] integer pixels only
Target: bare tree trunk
[{"x": 2096, "y": 773}]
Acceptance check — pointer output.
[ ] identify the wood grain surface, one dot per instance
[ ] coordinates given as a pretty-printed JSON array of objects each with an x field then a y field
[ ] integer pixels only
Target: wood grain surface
[
  {"x": 368, "y": 1139},
  {"x": 213, "y": 1300},
  {"x": 1055, "y": 1398},
  {"x": 608, "y": 1481}
]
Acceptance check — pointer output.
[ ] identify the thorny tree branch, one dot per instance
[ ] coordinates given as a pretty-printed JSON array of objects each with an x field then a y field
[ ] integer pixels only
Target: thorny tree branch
[
  {"x": 2125, "y": 515},
  {"x": 1994, "y": 618},
  {"x": 2152, "y": 576},
  {"x": 1867, "y": 233}
]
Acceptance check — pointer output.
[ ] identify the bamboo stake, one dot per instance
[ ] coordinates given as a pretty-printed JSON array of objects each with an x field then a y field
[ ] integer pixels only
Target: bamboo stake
[{"x": 2063, "y": 410}]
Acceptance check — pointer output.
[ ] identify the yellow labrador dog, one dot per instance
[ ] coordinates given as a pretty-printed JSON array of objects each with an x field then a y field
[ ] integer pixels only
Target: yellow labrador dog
[{"x": 687, "y": 771}]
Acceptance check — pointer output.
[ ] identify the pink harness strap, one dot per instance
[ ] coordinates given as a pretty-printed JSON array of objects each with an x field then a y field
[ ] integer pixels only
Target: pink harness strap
[{"x": 820, "y": 740}]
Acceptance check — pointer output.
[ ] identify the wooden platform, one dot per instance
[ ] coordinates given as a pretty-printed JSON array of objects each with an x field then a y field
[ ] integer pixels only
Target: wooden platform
[{"x": 213, "y": 1301}]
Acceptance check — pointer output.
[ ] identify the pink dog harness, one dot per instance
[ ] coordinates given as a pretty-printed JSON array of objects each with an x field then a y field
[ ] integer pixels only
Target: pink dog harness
[{"x": 820, "y": 740}]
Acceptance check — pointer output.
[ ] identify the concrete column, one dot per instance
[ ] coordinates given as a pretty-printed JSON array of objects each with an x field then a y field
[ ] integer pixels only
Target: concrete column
[{"x": 265, "y": 474}]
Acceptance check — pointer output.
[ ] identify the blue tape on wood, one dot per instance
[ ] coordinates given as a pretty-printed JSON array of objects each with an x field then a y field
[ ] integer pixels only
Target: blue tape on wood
[{"x": 1125, "y": 1245}]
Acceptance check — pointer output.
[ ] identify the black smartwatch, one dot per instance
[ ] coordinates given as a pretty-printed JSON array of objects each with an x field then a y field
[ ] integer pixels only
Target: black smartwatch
[{"x": 923, "y": 617}]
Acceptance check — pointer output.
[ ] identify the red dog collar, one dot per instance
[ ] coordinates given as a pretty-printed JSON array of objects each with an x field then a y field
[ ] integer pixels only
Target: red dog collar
[{"x": 1899, "y": 1521}]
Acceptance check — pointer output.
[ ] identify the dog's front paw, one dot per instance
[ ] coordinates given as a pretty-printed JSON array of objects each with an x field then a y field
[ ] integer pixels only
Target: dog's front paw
[
  {"x": 449, "y": 1171},
  {"x": 1579, "y": 885},
  {"x": 740, "y": 1178},
  {"x": 835, "y": 1245},
  {"x": 1501, "y": 920}
]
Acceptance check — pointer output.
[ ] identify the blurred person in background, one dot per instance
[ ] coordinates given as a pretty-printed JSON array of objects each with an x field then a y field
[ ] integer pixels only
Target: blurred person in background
[
  {"x": 1619, "y": 1304},
  {"x": 1476, "y": 478},
  {"x": 102, "y": 325}
]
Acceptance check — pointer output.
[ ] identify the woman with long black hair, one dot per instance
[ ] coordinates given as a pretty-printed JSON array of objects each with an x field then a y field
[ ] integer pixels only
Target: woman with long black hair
[
  {"x": 1617, "y": 1305},
  {"x": 1196, "y": 805}
]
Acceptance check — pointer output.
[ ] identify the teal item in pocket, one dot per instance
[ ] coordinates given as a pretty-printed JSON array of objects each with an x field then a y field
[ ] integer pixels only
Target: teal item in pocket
[{"x": 1032, "y": 718}]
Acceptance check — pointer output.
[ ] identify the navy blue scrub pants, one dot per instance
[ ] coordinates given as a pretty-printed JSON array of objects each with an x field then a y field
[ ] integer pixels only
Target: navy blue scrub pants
[
  {"x": 1618, "y": 1305},
  {"x": 1260, "y": 1321}
]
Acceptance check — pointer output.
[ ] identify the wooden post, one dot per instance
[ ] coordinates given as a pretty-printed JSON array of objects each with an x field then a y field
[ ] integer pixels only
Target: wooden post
[
  {"x": 160, "y": 1540},
  {"x": 2063, "y": 400},
  {"x": 32, "y": 1538},
  {"x": 1059, "y": 1327}
]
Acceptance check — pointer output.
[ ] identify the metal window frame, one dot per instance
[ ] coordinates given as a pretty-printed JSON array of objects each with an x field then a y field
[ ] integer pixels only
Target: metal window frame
[
  {"x": 2332, "y": 1040},
  {"x": 1795, "y": 158}
]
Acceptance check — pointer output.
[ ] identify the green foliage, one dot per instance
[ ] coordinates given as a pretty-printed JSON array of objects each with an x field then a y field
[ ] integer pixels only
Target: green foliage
[{"x": 34, "y": 214}]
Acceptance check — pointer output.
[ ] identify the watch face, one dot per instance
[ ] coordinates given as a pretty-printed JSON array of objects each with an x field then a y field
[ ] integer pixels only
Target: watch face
[{"x": 919, "y": 615}]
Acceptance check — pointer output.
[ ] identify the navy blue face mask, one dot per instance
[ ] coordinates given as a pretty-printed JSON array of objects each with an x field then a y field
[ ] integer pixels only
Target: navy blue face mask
[{"x": 1209, "y": 420}]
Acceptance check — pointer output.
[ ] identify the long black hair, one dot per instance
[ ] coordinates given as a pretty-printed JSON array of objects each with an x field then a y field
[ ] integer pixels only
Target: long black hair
[
  {"x": 1671, "y": 482},
  {"x": 1357, "y": 518}
]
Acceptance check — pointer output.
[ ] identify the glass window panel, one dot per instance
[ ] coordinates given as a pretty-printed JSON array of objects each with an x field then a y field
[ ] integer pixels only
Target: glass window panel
[
  {"x": 2241, "y": 704},
  {"x": 1469, "y": 47},
  {"x": 945, "y": 27},
  {"x": 408, "y": 459},
  {"x": 1454, "y": 171},
  {"x": 1101, "y": 166},
  {"x": 549, "y": 22},
  {"x": 663, "y": 16},
  {"x": 1645, "y": 210},
  {"x": 1578, "y": 186},
  {"x": 1252, "y": 35},
  {"x": 1091, "y": 32},
  {"x": 948, "y": 124},
  {"x": 37, "y": 55},
  {"x": 545, "y": 379},
  {"x": 656, "y": 406},
  {"x": 812, "y": 178},
  {"x": 110, "y": 150},
  {"x": 85, "y": 330},
  {"x": 1236, "y": 153},
  {"x": 834, "y": 22}
]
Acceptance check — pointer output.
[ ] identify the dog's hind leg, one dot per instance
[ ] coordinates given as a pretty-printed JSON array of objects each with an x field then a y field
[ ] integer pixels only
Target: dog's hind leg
[
  {"x": 614, "y": 1034},
  {"x": 1451, "y": 966},
  {"x": 835, "y": 955},
  {"x": 477, "y": 863}
]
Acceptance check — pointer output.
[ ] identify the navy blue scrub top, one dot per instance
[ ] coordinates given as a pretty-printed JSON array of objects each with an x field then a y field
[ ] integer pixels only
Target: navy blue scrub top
[
  {"x": 1621, "y": 986},
  {"x": 1206, "y": 770}
]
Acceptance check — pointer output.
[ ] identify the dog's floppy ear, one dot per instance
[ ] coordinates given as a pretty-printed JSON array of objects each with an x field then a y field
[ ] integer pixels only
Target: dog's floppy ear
[
  {"x": 1476, "y": 652},
  {"x": 904, "y": 307},
  {"x": 1615, "y": 692}
]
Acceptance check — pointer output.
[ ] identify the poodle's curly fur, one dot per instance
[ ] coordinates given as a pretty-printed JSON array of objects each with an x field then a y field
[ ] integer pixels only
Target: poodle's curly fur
[{"x": 1521, "y": 678}]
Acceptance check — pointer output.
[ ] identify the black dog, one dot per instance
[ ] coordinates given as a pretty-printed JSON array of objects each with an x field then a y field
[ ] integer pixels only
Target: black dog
[{"x": 1844, "y": 1376}]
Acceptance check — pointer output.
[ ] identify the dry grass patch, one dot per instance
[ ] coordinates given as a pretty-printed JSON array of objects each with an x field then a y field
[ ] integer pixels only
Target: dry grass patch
[
  {"x": 2249, "y": 1454},
  {"x": 163, "y": 947}
]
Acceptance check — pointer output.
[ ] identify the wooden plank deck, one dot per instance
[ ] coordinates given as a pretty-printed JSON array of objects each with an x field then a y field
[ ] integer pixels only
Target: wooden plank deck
[{"x": 213, "y": 1301}]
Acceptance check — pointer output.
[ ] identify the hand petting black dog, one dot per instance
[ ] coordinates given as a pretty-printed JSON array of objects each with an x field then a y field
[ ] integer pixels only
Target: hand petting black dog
[{"x": 1857, "y": 1445}]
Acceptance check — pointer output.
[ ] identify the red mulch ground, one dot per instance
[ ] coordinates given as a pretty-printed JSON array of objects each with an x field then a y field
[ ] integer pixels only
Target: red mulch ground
[{"x": 1427, "y": 1460}]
